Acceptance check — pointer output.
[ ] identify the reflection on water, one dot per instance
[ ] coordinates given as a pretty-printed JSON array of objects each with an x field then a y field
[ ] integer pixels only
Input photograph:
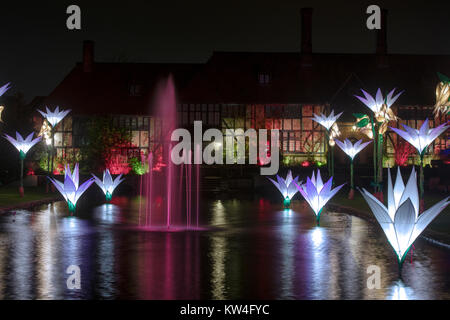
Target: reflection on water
[{"x": 251, "y": 250}]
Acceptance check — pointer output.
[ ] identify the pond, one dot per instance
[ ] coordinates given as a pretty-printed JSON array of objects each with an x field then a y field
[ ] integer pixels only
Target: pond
[{"x": 246, "y": 249}]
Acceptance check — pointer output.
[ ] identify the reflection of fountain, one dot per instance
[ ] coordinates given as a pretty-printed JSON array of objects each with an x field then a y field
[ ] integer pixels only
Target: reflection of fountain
[{"x": 167, "y": 207}]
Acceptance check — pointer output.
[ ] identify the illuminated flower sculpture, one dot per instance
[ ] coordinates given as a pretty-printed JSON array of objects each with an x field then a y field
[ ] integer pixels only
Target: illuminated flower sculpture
[
  {"x": 375, "y": 126},
  {"x": 70, "y": 189},
  {"x": 287, "y": 187},
  {"x": 325, "y": 121},
  {"x": 401, "y": 221},
  {"x": 351, "y": 150},
  {"x": 3, "y": 89},
  {"x": 52, "y": 118},
  {"x": 317, "y": 194},
  {"x": 442, "y": 105},
  {"x": 421, "y": 139},
  {"x": 108, "y": 184},
  {"x": 332, "y": 130},
  {"x": 23, "y": 145}
]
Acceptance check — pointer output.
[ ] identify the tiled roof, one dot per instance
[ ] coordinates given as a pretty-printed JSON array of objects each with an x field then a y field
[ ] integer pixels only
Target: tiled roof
[{"x": 232, "y": 77}]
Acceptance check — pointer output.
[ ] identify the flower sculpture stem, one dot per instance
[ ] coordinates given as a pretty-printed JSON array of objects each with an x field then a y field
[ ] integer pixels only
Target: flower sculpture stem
[
  {"x": 421, "y": 182},
  {"x": 380, "y": 166},
  {"x": 351, "y": 149},
  {"x": 352, "y": 185},
  {"x": 332, "y": 162},
  {"x": 21, "y": 190},
  {"x": 72, "y": 207},
  {"x": 374, "y": 155},
  {"x": 318, "y": 217}
]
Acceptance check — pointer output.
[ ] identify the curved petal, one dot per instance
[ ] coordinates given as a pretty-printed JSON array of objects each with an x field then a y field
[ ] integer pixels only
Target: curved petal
[
  {"x": 83, "y": 188},
  {"x": 411, "y": 193}
]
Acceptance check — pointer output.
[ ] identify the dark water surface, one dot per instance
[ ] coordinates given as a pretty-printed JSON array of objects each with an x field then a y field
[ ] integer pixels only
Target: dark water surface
[{"x": 250, "y": 249}]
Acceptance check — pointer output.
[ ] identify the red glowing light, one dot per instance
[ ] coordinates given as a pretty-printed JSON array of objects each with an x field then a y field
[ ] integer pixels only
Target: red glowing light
[
  {"x": 306, "y": 163},
  {"x": 402, "y": 152}
]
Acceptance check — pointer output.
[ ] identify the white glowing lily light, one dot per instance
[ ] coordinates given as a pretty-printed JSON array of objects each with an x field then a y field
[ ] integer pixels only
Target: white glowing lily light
[
  {"x": 317, "y": 193},
  {"x": 54, "y": 117},
  {"x": 21, "y": 144},
  {"x": 421, "y": 138},
  {"x": 70, "y": 189},
  {"x": 401, "y": 221},
  {"x": 325, "y": 121},
  {"x": 287, "y": 187},
  {"x": 5, "y": 88},
  {"x": 376, "y": 104},
  {"x": 108, "y": 184},
  {"x": 352, "y": 150}
]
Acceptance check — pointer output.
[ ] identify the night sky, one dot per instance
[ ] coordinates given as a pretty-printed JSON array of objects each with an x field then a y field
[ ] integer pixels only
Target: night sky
[{"x": 38, "y": 51}]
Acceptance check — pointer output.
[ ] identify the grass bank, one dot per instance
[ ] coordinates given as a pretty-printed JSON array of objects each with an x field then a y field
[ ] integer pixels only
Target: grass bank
[{"x": 10, "y": 198}]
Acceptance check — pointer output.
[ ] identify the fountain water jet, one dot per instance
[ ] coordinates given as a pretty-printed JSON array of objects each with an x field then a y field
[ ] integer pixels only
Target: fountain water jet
[{"x": 167, "y": 207}]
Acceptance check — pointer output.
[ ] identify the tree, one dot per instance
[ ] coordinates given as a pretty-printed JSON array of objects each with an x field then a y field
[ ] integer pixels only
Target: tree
[{"x": 104, "y": 142}]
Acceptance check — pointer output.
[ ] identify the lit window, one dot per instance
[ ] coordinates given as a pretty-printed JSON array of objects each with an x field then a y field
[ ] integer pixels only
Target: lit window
[
  {"x": 135, "y": 90},
  {"x": 263, "y": 78}
]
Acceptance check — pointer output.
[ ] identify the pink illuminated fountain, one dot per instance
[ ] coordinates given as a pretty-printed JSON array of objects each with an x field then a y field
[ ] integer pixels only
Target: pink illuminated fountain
[{"x": 164, "y": 205}]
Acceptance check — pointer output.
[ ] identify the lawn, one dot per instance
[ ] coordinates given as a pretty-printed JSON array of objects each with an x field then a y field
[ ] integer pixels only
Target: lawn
[
  {"x": 9, "y": 196},
  {"x": 441, "y": 224}
]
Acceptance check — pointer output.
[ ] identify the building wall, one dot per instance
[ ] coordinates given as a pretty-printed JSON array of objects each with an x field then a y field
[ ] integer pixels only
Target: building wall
[{"x": 301, "y": 137}]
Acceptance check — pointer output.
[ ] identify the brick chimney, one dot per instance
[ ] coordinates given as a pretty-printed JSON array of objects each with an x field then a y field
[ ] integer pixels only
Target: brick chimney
[
  {"x": 381, "y": 38},
  {"x": 88, "y": 55},
  {"x": 306, "y": 47}
]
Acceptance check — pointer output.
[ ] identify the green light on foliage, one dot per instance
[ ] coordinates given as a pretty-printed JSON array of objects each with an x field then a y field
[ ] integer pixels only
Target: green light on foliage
[
  {"x": 138, "y": 167},
  {"x": 359, "y": 115},
  {"x": 362, "y": 123}
]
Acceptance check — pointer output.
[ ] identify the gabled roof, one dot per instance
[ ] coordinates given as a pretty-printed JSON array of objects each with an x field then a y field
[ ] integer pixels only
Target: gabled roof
[
  {"x": 232, "y": 77},
  {"x": 105, "y": 90}
]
